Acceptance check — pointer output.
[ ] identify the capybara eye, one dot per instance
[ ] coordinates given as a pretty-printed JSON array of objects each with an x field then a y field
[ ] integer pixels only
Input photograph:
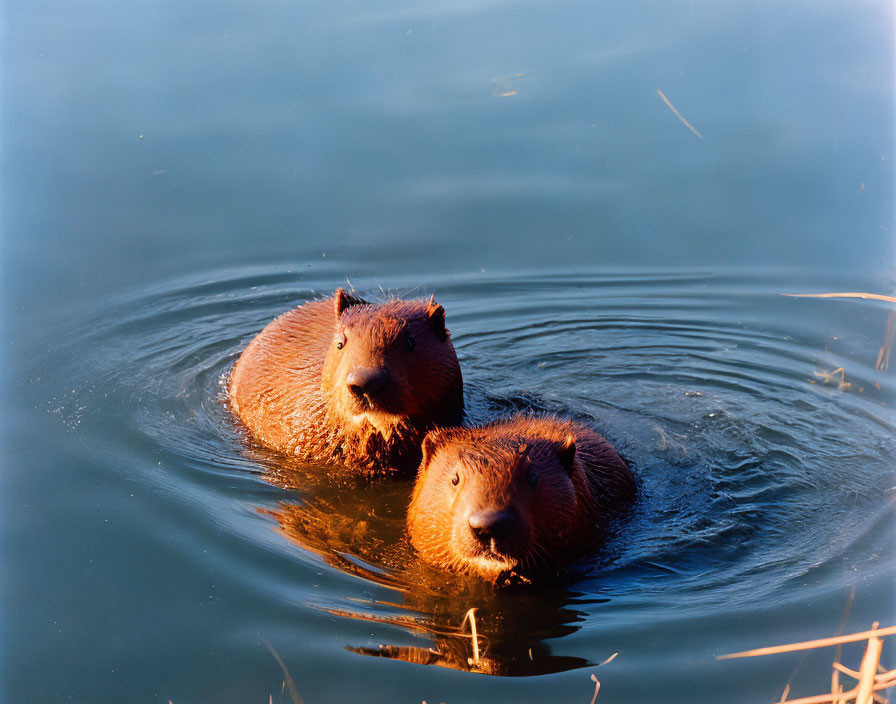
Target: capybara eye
[
  {"x": 455, "y": 479},
  {"x": 340, "y": 343},
  {"x": 532, "y": 477},
  {"x": 409, "y": 342}
]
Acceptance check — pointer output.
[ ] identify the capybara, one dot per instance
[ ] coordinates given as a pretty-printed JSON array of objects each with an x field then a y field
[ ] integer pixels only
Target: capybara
[
  {"x": 516, "y": 501},
  {"x": 345, "y": 381}
]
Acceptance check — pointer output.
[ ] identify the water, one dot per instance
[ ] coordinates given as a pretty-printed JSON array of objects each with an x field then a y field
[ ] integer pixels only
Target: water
[{"x": 176, "y": 176}]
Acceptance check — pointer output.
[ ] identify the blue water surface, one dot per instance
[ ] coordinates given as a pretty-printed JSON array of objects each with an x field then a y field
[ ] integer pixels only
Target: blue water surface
[{"x": 175, "y": 175}]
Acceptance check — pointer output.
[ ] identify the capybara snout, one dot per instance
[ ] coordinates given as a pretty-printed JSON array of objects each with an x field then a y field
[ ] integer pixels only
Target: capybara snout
[
  {"x": 365, "y": 383},
  {"x": 491, "y": 524}
]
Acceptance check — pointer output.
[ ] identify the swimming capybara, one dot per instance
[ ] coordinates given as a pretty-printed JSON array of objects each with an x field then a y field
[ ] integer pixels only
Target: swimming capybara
[
  {"x": 346, "y": 381},
  {"x": 516, "y": 501}
]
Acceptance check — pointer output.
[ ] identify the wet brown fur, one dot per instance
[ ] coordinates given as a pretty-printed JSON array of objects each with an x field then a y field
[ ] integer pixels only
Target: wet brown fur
[
  {"x": 289, "y": 385},
  {"x": 581, "y": 484}
]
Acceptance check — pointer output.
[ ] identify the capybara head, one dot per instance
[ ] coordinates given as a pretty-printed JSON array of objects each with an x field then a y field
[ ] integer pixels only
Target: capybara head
[
  {"x": 391, "y": 365},
  {"x": 496, "y": 504}
]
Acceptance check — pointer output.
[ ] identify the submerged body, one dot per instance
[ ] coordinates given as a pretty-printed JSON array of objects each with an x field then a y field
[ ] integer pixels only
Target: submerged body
[
  {"x": 517, "y": 500},
  {"x": 345, "y": 381}
]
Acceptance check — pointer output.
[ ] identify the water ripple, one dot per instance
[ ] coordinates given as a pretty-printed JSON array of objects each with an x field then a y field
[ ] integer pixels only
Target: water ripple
[{"x": 753, "y": 473}]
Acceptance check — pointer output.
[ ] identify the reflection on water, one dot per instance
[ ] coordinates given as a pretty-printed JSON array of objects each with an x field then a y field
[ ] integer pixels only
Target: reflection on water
[{"x": 362, "y": 532}]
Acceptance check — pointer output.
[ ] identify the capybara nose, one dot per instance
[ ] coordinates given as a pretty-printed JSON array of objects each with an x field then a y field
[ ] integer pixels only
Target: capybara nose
[
  {"x": 367, "y": 382},
  {"x": 488, "y": 525}
]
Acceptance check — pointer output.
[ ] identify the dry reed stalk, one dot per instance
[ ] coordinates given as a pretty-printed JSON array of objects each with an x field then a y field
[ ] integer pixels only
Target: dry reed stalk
[
  {"x": 810, "y": 644},
  {"x": 868, "y": 679},
  {"x": 868, "y": 669},
  {"x": 594, "y": 677},
  {"x": 883, "y": 354},
  {"x": 849, "y": 294},
  {"x": 842, "y": 385},
  {"x": 845, "y": 670},
  {"x": 835, "y": 675},
  {"x": 678, "y": 114},
  {"x": 596, "y": 688},
  {"x": 293, "y": 691},
  {"x": 471, "y": 617},
  {"x": 609, "y": 659}
]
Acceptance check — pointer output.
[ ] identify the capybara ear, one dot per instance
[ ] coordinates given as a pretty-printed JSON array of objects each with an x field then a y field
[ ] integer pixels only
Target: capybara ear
[
  {"x": 429, "y": 446},
  {"x": 567, "y": 453},
  {"x": 436, "y": 315},
  {"x": 345, "y": 300}
]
